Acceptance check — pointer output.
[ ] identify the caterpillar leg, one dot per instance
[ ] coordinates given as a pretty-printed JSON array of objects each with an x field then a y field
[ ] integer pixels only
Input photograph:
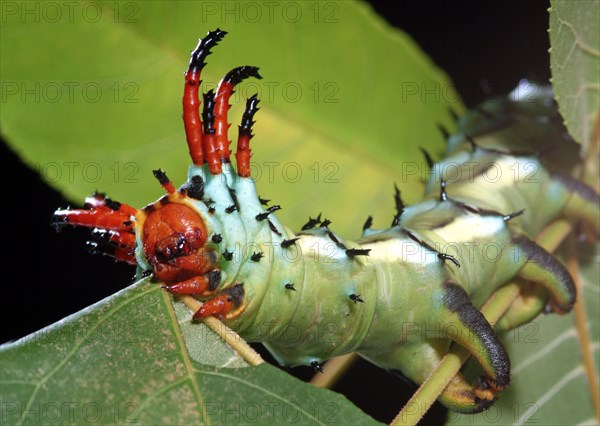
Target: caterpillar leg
[
  {"x": 223, "y": 305},
  {"x": 544, "y": 269},
  {"x": 465, "y": 325},
  {"x": 525, "y": 308}
]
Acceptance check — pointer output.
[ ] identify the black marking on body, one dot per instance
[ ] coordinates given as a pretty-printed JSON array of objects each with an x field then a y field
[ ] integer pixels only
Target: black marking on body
[
  {"x": 164, "y": 200},
  {"x": 127, "y": 223},
  {"x": 337, "y": 242},
  {"x": 111, "y": 204},
  {"x": 233, "y": 196},
  {"x": 368, "y": 223},
  {"x": 351, "y": 253},
  {"x": 290, "y": 286},
  {"x": 535, "y": 253},
  {"x": 236, "y": 293},
  {"x": 211, "y": 210},
  {"x": 193, "y": 188},
  {"x": 442, "y": 256},
  {"x": 231, "y": 209},
  {"x": 262, "y": 216},
  {"x": 149, "y": 209},
  {"x": 256, "y": 256},
  {"x": 356, "y": 298},
  {"x": 457, "y": 300},
  {"x": 227, "y": 255},
  {"x": 216, "y": 238},
  {"x": 289, "y": 243},
  {"x": 214, "y": 279},
  {"x": 580, "y": 188}
]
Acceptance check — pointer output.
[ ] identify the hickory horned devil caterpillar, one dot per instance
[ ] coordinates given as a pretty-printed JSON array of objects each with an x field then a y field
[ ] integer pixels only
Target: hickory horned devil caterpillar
[{"x": 389, "y": 277}]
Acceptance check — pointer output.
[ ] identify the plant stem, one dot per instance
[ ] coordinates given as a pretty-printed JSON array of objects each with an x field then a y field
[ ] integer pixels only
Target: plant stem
[{"x": 228, "y": 335}]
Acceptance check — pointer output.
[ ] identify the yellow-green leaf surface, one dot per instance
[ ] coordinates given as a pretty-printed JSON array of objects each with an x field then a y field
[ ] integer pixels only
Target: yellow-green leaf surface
[
  {"x": 575, "y": 64},
  {"x": 124, "y": 360},
  {"x": 94, "y": 101}
]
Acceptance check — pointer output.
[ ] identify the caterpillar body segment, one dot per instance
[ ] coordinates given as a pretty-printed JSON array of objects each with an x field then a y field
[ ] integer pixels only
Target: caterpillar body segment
[{"x": 399, "y": 296}]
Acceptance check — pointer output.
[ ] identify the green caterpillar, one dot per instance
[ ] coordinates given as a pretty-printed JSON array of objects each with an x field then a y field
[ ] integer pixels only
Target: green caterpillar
[{"x": 398, "y": 296}]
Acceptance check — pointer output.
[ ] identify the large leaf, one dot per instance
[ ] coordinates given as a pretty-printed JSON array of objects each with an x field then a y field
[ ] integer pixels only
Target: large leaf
[
  {"x": 124, "y": 360},
  {"x": 346, "y": 101},
  {"x": 575, "y": 65}
]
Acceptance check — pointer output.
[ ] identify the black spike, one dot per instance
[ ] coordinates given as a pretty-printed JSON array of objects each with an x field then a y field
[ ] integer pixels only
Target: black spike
[
  {"x": 428, "y": 158},
  {"x": 335, "y": 240},
  {"x": 262, "y": 216},
  {"x": 317, "y": 367},
  {"x": 356, "y": 298},
  {"x": 245, "y": 127},
  {"x": 443, "y": 195},
  {"x": 513, "y": 215},
  {"x": 238, "y": 74},
  {"x": 208, "y": 112},
  {"x": 211, "y": 210},
  {"x": 202, "y": 50},
  {"x": 161, "y": 176},
  {"x": 444, "y": 256},
  {"x": 325, "y": 223},
  {"x": 256, "y": 256},
  {"x": 263, "y": 201},
  {"x": 228, "y": 255},
  {"x": 217, "y": 238},
  {"x": 231, "y": 208},
  {"x": 399, "y": 206},
  {"x": 273, "y": 227},
  {"x": 472, "y": 142},
  {"x": 290, "y": 286},
  {"x": 444, "y": 131},
  {"x": 312, "y": 222},
  {"x": 357, "y": 252},
  {"x": 368, "y": 223},
  {"x": 289, "y": 243},
  {"x": 453, "y": 114},
  {"x": 234, "y": 198}
]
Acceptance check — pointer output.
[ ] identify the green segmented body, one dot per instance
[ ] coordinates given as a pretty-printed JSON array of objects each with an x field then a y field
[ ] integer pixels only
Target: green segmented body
[{"x": 403, "y": 303}]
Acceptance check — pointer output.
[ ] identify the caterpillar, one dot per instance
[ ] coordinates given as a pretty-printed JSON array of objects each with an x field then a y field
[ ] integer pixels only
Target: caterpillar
[{"x": 505, "y": 177}]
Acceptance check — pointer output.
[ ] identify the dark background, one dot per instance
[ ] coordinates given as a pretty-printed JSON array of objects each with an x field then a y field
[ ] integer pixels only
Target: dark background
[{"x": 485, "y": 47}]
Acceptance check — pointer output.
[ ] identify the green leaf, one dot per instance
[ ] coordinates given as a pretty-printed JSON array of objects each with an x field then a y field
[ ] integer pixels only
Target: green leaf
[
  {"x": 575, "y": 65},
  {"x": 124, "y": 360},
  {"x": 95, "y": 104}
]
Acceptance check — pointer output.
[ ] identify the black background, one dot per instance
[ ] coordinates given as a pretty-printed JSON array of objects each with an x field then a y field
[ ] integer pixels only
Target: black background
[{"x": 485, "y": 47}]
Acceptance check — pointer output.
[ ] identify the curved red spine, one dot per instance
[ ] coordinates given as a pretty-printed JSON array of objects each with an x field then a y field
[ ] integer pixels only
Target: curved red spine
[
  {"x": 222, "y": 107},
  {"x": 191, "y": 116}
]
